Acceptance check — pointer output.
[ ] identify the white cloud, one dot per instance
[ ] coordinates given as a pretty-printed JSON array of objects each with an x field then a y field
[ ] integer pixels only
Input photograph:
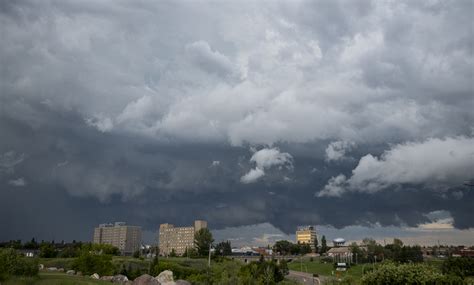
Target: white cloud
[
  {"x": 252, "y": 176},
  {"x": 20, "y": 182},
  {"x": 437, "y": 163},
  {"x": 265, "y": 159},
  {"x": 215, "y": 163},
  {"x": 337, "y": 150}
]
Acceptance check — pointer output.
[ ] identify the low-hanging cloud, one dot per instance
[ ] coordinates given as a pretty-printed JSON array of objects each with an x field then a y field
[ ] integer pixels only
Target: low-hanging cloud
[{"x": 435, "y": 163}]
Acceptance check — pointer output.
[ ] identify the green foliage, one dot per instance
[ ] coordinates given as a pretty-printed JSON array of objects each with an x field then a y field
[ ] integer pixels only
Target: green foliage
[
  {"x": 173, "y": 253},
  {"x": 358, "y": 255},
  {"x": 263, "y": 272},
  {"x": 400, "y": 253},
  {"x": 295, "y": 249},
  {"x": 101, "y": 248},
  {"x": 203, "y": 240},
  {"x": 31, "y": 244},
  {"x": 180, "y": 271},
  {"x": 283, "y": 247},
  {"x": 136, "y": 254},
  {"x": 91, "y": 262},
  {"x": 223, "y": 248},
  {"x": 304, "y": 248},
  {"x": 412, "y": 273},
  {"x": 47, "y": 250},
  {"x": 13, "y": 264},
  {"x": 459, "y": 266},
  {"x": 316, "y": 245},
  {"x": 324, "y": 246}
]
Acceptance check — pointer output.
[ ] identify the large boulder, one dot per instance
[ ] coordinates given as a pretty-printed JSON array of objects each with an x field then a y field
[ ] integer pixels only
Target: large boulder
[
  {"x": 95, "y": 276},
  {"x": 119, "y": 278},
  {"x": 60, "y": 269},
  {"x": 182, "y": 282},
  {"x": 165, "y": 277},
  {"x": 145, "y": 279},
  {"x": 70, "y": 272}
]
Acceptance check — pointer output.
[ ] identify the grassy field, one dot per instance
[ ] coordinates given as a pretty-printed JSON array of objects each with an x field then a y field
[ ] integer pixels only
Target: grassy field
[
  {"x": 47, "y": 278},
  {"x": 327, "y": 269}
]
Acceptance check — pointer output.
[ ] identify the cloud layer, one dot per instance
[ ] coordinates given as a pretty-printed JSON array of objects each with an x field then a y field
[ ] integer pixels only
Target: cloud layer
[{"x": 145, "y": 111}]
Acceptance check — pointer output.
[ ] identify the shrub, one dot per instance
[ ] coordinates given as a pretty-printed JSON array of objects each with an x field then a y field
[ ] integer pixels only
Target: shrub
[
  {"x": 89, "y": 263},
  {"x": 13, "y": 264},
  {"x": 459, "y": 266},
  {"x": 390, "y": 273}
]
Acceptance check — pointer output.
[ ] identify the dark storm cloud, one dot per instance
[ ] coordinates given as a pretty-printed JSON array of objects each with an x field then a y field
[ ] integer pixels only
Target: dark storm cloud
[{"x": 155, "y": 112}]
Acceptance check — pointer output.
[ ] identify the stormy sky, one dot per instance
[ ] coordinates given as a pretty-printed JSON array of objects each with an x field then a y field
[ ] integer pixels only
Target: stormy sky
[{"x": 257, "y": 116}]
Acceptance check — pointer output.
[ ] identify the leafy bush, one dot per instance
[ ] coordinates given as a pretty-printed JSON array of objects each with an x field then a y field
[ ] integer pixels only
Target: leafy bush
[
  {"x": 89, "y": 263},
  {"x": 390, "y": 273},
  {"x": 459, "y": 266},
  {"x": 14, "y": 264}
]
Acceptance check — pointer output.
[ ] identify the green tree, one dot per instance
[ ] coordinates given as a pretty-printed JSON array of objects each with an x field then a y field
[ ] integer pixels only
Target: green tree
[
  {"x": 316, "y": 245},
  {"x": 358, "y": 255},
  {"x": 304, "y": 248},
  {"x": 14, "y": 264},
  {"x": 136, "y": 254},
  {"x": 295, "y": 249},
  {"x": 203, "y": 240},
  {"x": 47, "y": 250},
  {"x": 324, "y": 246},
  {"x": 223, "y": 248},
  {"x": 90, "y": 262},
  {"x": 173, "y": 253},
  {"x": 283, "y": 247},
  {"x": 411, "y": 273},
  {"x": 459, "y": 266}
]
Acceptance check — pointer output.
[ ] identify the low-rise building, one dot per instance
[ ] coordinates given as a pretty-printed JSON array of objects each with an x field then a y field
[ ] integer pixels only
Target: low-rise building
[{"x": 126, "y": 238}]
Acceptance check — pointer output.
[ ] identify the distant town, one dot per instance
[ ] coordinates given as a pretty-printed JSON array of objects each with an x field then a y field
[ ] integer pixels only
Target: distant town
[{"x": 309, "y": 257}]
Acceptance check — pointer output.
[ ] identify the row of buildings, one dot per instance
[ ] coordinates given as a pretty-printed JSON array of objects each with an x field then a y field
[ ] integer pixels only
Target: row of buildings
[
  {"x": 179, "y": 239},
  {"x": 128, "y": 238}
]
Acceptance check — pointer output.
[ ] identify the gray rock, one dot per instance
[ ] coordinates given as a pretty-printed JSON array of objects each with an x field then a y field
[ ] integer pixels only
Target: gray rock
[
  {"x": 61, "y": 269},
  {"x": 165, "y": 276},
  {"x": 70, "y": 272},
  {"x": 107, "y": 278},
  {"x": 52, "y": 269},
  {"x": 79, "y": 273},
  {"x": 182, "y": 282},
  {"x": 120, "y": 279},
  {"x": 95, "y": 276},
  {"x": 145, "y": 279}
]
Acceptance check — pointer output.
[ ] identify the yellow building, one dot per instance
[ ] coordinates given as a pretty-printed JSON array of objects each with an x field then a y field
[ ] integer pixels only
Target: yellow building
[
  {"x": 178, "y": 238},
  {"x": 126, "y": 238},
  {"x": 306, "y": 235}
]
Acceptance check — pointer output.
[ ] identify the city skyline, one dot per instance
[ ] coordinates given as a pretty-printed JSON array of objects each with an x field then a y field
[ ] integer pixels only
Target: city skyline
[{"x": 258, "y": 117}]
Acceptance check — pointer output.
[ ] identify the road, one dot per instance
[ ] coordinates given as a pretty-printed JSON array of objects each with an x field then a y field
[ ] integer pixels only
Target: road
[{"x": 304, "y": 278}]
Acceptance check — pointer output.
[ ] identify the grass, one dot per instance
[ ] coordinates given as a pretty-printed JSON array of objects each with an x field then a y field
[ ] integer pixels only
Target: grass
[
  {"x": 56, "y": 278},
  {"x": 327, "y": 269}
]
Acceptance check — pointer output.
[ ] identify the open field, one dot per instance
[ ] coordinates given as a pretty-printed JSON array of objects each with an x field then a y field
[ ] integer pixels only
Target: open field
[{"x": 47, "y": 278}]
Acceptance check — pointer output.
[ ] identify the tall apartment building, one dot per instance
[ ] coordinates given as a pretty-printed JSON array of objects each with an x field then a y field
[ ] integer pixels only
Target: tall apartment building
[
  {"x": 306, "y": 234},
  {"x": 126, "y": 238},
  {"x": 178, "y": 238}
]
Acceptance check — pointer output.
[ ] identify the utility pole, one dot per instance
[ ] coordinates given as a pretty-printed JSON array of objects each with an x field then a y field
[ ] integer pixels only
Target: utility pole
[{"x": 209, "y": 260}]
